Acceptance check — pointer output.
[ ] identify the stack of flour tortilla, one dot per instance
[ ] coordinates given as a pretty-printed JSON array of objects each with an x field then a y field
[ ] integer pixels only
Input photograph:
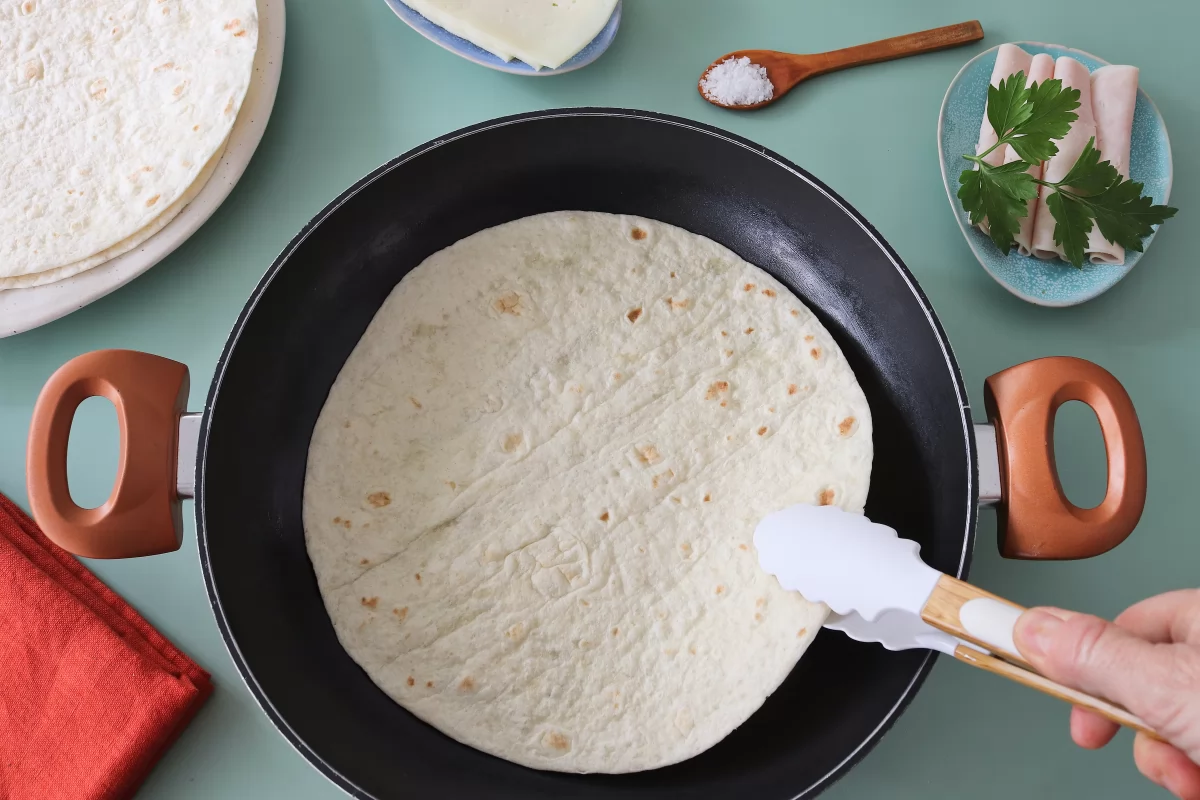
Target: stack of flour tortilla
[
  {"x": 113, "y": 118},
  {"x": 1107, "y": 100},
  {"x": 531, "y": 494}
]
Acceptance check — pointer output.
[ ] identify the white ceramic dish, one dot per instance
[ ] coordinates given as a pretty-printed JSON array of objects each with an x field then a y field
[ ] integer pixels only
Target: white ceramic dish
[{"x": 25, "y": 309}]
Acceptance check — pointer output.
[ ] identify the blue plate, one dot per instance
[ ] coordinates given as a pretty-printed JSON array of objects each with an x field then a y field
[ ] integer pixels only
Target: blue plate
[
  {"x": 1046, "y": 283},
  {"x": 472, "y": 52}
]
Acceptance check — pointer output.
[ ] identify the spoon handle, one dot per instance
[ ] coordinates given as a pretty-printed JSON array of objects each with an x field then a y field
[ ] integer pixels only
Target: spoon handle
[
  {"x": 997, "y": 666},
  {"x": 897, "y": 47}
]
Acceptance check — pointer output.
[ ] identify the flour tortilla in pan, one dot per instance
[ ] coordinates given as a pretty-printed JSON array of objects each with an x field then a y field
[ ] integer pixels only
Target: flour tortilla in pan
[
  {"x": 532, "y": 491},
  {"x": 111, "y": 111}
]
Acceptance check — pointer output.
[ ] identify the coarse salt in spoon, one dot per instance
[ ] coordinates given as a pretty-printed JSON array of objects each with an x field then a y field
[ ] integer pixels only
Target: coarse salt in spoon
[
  {"x": 750, "y": 79},
  {"x": 881, "y": 591}
]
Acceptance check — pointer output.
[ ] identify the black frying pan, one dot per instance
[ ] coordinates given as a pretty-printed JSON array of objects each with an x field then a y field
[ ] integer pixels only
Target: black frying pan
[{"x": 317, "y": 299}]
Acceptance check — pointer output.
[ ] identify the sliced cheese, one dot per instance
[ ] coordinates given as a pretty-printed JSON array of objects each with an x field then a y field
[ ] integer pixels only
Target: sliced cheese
[{"x": 542, "y": 33}]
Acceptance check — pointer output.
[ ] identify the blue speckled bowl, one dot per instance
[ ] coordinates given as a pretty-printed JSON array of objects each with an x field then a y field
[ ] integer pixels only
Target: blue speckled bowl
[
  {"x": 459, "y": 46},
  {"x": 1046, "y": 283}
]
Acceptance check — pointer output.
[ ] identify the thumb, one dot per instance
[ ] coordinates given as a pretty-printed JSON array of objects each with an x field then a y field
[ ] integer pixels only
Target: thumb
[{"x": 1102, "y": 659}]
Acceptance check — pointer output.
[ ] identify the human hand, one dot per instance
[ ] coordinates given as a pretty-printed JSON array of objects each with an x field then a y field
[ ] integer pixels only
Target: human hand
[{"x": 1148, "y": 661}]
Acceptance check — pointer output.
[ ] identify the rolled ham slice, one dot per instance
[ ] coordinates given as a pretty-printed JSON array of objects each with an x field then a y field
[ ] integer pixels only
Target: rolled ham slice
[
  {"x": 1010, "y": 60},
  {"x": 1075, "y": 76},
  {"x": 1041, "y": 70},
  {"x": 1114, "y": 95}
]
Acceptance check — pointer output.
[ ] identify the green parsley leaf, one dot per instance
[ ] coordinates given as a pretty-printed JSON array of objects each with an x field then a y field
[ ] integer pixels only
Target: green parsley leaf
[
  {"x": 1090, "y": 175},
  {"x": 1000, "y": 195},
  {"x": 1073, "y": 222},
  {"x": 1008, "y": 104},
  {"x": 1052, "y": 110},
  {"x": 1125, "y": 216}
]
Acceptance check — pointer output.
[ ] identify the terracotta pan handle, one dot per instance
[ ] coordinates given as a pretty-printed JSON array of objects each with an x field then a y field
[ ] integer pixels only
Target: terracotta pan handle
[
  {"x": 142, "y": 516},
  {"x": 1036, "y": 519}
]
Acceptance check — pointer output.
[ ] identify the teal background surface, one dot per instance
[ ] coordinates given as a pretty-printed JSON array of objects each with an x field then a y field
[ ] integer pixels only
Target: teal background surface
[{"x": 359, "y": 87}]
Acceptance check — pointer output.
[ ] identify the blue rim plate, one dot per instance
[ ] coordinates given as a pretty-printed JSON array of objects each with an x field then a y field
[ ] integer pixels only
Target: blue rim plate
[
  {"x": 1045, "y": 283},
  {"x": 472, "y": 52}
]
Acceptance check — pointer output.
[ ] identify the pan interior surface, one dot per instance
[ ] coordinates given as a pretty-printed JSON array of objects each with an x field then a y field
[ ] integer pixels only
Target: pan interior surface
[{"x": 317, "y": 300}]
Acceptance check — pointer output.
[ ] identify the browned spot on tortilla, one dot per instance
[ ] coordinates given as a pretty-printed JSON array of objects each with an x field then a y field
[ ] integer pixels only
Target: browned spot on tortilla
[
  {"x": 604, "y": 517},
  {"x": 229, "y": 108},
  {"x": 633, "y": 315},
  {"x": 716, "y": 389},
  {"x": 512, "y": 442},
  {"x": 195, "y": 127},
  {"x": 809, "y": 338},
  {"x": 452, "y": 485},
  {"x": 346, "y": 424},
  {"x": 153, "y": 200},
  {"x": 616, "y": 376},
  {"x": 239, "y": 33},
  {"x": 692, "y": 650},
  {"x": 749, "y": 287},
  {"x": 418, "y": 577},
  {"x": 179, "y": 89},
  {"x": 771, "y": 409},
  {"x": 346, "y": 524},
  {"x": 370, "y": 602},
  {"x": 729, "y": 354},
  {"x": 742, "y": 547},
  {"x": 686, "y": 549},
  {"x": 615, "y": 631},
  {"x": 411, "y": 680},
  {"x": 758, "y": 617},
  {"x": 707, "y": 497},
  {"x": 429, "y": 684},
  {"x": 660, "y": 476},
  {"x": 760, "y": 602},
  {"x": 673, "y": 303},
  {"x": 769, "y": 292},
  {"x": 508, "y": 303},
  {"x": 762, "y": 430},
  {"x": 556, "y": 740},
  {"x": 28, "y": 7},
  {"x": 792, "y": 388},
  {"x": 415, "y": 402},
  {"x": 749, "y": 331},
  {"x": 467, "y": 684},
  {"x": 641, "y": 549},
  {"x": 672, "y": 274},
  {"x": 233, "y": 23},
  {"x": 584, "y": 603},
  {"x": 166, "y": 65},
  {"x": 676, "y": 500},
  {"x": 800, "y": 633},
  {"x": 364, "y": 561},
  {"x": 795, "y": 313},
  {"x": 638, "y": 234},
  {"x": 724, "y": 333},
  {"x": 649, "y": 455},
  {"x": 845, "y": 425},
  {"x": 379, "y": 499},
  {"x": 337, "y": 520},
  {"x": 825, "y": 498},
  {"x": 815, "y": 353},
  {"x": 516, "y": 631},
  {"x": 402, "y": 613},
  {"x": 724, "y": 404},
  {"x": 720, "y": 589}
]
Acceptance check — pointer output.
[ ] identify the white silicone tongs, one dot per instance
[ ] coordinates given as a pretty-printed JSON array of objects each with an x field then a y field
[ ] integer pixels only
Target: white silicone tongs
[{"x": 881, "y": 591}]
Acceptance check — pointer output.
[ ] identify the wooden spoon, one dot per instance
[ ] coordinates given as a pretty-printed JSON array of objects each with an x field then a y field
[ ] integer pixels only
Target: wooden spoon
[{"x": 785, "y": 70}]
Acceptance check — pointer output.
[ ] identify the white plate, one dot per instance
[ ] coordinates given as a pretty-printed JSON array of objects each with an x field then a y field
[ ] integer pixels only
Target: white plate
[{"x": 24, "y": 309}]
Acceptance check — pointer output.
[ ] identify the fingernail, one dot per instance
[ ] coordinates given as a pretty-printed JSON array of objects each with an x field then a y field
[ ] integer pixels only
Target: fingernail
[{"x": 1036, "y": 632}]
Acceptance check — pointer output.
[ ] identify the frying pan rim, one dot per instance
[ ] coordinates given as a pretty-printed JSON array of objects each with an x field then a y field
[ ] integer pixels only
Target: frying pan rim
[{"x": 240, "y": 662}]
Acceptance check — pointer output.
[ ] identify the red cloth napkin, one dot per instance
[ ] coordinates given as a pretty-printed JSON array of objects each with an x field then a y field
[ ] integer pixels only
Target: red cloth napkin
[{"x": 91, "y": 696}]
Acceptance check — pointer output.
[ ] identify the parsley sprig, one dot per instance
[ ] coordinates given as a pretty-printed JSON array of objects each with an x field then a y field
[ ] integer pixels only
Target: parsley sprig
[{"x": 1029, "y": 119}]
